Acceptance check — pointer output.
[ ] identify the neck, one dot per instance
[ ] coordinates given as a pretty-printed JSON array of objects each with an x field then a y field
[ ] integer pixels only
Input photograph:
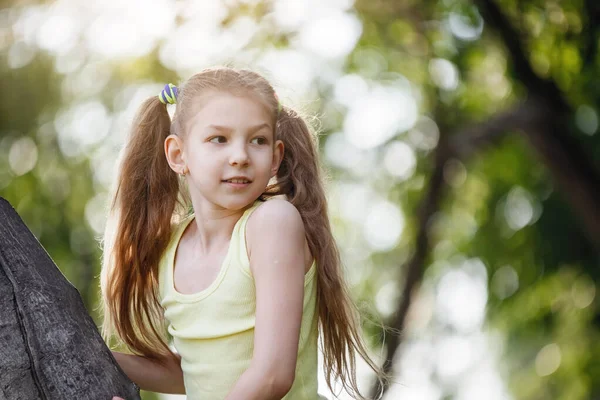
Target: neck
[{"x": 212, "y": 226}]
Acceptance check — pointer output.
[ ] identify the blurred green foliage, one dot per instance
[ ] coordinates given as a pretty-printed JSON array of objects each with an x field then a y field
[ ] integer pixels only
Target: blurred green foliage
[{"x": 554, "y": 302}]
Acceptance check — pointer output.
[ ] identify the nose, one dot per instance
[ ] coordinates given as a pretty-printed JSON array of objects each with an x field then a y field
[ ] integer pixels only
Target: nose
[{"x": 239, "y": 155}]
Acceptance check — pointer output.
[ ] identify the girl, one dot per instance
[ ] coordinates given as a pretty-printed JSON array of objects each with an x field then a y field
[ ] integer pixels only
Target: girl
[{"x": 242, "y": 282}]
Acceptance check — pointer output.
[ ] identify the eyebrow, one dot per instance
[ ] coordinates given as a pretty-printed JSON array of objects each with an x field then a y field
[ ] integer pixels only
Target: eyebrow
[{"x": 252, "y": 128}]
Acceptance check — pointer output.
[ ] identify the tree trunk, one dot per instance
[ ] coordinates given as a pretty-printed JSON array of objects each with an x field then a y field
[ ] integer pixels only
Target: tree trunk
[
  {"x": 543, "y": 119},
  {"x": 51, "y": 347}
]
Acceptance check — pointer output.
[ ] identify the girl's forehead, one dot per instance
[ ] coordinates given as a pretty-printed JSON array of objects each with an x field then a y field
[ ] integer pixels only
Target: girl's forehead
[
  {"x": 218, "y": 99},
  {"x": 223, "y": 108}
]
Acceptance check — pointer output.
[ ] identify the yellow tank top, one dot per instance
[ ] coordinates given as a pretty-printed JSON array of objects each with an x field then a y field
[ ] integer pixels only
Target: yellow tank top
[{"x": 213, "y": 330}]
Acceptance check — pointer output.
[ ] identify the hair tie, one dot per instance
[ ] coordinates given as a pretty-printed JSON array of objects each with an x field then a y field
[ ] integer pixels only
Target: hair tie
[{"x": 168, "y": 94}]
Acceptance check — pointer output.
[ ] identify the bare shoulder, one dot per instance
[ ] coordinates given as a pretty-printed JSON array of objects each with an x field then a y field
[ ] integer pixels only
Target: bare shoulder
[
  {"x": 276, "y": 230},
  {"x": 274, "y": 219},
  {"x": 275, "y": 212}
]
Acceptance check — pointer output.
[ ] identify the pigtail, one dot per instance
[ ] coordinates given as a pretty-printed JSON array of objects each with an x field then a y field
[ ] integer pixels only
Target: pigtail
[
  {"x": 137, "y": 232},
  {"x": 299, "y": 178}
]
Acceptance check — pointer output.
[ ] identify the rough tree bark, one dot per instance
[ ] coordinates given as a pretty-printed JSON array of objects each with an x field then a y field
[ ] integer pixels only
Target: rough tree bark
[{"x": 50, "y": 346}]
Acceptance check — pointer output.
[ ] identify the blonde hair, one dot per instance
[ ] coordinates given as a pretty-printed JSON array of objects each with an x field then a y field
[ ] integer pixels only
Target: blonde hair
[{"x": 148, "y": 195}]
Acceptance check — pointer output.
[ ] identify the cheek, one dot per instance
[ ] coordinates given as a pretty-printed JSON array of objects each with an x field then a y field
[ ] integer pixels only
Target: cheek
[{"x": 267, "y": 159}]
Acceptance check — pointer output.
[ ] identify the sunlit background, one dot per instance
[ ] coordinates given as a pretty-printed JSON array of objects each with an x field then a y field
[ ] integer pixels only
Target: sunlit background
[{"x": 506, "y": 307}]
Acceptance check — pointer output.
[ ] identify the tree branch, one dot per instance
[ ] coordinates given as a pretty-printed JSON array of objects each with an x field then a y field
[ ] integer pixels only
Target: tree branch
[
  {"x": 512, "y": 39},
  {"x": 530, "y": 118},
  {"x": 415, "y": 267},
  {"x": 471, "y": 139},
  {"x": 51, "y": 347},
  {"x": 461, "y": 145},
  {"x": 543, "y": 118},
  {"x": 550, "y": 136}
]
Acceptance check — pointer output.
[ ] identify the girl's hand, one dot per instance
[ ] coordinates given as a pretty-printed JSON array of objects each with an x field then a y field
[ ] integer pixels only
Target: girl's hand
[{"x": 117, "y": 398}]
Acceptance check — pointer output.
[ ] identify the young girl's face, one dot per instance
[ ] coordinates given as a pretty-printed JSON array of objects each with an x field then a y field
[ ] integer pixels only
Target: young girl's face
[{"x": 230, "y": 136}]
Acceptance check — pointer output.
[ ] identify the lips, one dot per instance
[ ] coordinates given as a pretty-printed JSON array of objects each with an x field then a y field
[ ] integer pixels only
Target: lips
[{"x": 237, "y": 180}]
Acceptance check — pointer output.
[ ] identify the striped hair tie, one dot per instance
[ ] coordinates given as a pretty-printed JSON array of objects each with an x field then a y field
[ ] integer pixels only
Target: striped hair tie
[{"x": 168, "y": 94}]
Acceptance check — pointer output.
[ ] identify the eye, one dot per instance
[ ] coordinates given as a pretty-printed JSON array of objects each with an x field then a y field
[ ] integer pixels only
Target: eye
[
  {"x": 216, "y": 137},
  {"x": 262, "y": 140}
]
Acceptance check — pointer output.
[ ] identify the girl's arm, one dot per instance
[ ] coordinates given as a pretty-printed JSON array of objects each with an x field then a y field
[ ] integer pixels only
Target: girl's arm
[
  {"x": 276, "y": 239},
  {"x": 151, "y": 376}
]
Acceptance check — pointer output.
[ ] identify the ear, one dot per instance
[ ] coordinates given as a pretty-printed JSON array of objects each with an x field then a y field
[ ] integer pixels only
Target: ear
[
  {"x": 175, "y": 154},
  {"x": 278, "y": 152}
]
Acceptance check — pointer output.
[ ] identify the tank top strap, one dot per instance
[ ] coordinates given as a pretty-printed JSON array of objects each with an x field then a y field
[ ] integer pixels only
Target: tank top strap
[
  {"x": 240, "y": 237},
  {"x": 244, "y": 218}
]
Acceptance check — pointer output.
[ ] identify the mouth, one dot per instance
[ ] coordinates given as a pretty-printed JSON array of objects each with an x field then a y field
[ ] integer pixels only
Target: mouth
[{"x": 237, "y": 181}]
